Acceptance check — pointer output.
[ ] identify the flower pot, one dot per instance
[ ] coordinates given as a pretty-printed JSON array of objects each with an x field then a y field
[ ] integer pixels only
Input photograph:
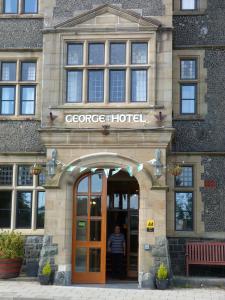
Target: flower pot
[
  {"x": 162, "y": 284},
  {"x": 10, "y": 268},
  {"x": 44, "y": 280}
]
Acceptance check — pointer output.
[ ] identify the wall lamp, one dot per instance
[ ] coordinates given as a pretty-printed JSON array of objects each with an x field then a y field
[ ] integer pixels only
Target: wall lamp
[
  {"x": 156, "y": 163},
  {"x": 51, "y": 165}
]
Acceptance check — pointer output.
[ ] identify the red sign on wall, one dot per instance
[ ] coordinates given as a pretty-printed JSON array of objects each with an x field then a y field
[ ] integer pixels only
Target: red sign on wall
[{"x": 210, "y": 184}]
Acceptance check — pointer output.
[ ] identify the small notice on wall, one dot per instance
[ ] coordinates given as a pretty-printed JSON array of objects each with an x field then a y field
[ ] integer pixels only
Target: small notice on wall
[{"x": 150, "y": 225}]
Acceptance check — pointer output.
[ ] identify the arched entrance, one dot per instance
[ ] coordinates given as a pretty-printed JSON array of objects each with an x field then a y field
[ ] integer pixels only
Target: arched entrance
[{"x": 99, "y": 205}]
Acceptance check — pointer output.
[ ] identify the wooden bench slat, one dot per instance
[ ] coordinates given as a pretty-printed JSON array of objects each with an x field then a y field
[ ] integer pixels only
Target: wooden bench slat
[{"x": 205, "y": 253}]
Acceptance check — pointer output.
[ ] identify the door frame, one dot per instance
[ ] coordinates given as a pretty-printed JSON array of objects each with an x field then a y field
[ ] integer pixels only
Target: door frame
[{"x": 90, "y": 277}]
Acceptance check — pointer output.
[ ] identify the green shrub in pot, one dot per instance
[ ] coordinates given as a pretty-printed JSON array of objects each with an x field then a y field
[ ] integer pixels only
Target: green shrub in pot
[
  {"x": 45, "y": 276},
  {"x": 162, "y": 277},
  {"x": 11, "y": 254}
]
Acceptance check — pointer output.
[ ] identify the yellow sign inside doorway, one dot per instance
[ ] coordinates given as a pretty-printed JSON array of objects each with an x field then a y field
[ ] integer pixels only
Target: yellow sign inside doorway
[{"x": 150, "y": 225}]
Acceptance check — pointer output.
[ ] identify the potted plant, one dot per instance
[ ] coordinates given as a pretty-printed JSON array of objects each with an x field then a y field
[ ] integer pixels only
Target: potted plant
[
  {"x": 36, "y": 169},
  {"x": 11, "y": 254},
  {"x": 162, "y": 277},
  {"x": 45, "y": 276}
]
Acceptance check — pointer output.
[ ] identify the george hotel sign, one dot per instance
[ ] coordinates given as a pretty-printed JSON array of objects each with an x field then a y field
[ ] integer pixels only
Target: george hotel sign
[{"x": 101, "y": 118}]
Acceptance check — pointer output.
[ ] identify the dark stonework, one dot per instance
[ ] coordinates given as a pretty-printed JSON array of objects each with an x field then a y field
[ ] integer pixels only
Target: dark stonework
[
  {"x": 66, "y": 8},
  {"x": 21, "y": 33},
  {"x": 32, "y": 249},
  {"x": 201, "y": 30},
  {"x": 48, "y": 252},
  {"x": 160, "y": 254},
  {"x": 207, "y": 135},
  {"x": 214, "y": 200},
  {"x": 178, "y": 264},
  {"x": 20, "y": 136}
]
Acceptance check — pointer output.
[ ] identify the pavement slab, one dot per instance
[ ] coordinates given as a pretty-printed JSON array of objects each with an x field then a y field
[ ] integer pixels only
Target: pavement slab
[{"x": 12, "y": 290}]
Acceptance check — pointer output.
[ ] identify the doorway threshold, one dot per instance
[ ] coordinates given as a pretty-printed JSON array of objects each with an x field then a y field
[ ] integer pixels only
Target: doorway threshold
[{"x": 113, "y": 284}]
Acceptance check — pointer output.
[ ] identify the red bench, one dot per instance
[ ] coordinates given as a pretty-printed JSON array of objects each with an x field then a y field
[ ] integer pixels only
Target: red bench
[{"x": 205, "y": 253}]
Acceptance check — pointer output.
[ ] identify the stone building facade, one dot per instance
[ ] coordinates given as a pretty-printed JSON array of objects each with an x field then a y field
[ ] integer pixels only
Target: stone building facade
[{"x": 59, "y": 108}]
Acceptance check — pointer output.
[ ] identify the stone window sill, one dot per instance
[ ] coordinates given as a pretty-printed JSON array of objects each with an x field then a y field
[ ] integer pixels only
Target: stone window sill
[
  {"x": 18, "y": 118},
  {"x": 189, "y": 12},
  {"x": 189, "y": 118},
  {"x": 21, "y": 16}
]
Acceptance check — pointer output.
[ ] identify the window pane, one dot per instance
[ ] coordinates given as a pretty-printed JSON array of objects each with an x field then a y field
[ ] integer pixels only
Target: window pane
[
  {"x": 27, "y": 100},
  {"x": 117, "y": 85},
  {"x": 75, "y": 54},
  {"x": 28, "y": 71},
  {"x": 8, "y": 71},
  {"x": 95, "y": 86},
  {"x": 23, "y": 209},
  {"x": 117, "y": 53},
  {"x": 188, "y": 69},
  {"x": 81, "y": 230},
  {"x": 6, "y": 174},
  {"x": 83, "y": 185},
  {"x": 7, "y": 100},
  {"x": 95, "y": 206},
  {"x": 139, "y": 53},
  {"x": 10, "y": 6},
  {"x": 139, "y": 86},
  {"x": 94, "y": 260},
  {"x": 96, "y": 54},
  {"x": 30, "y": 6},
  {"x": 184, "y": 211},
  {"x": 188, "y": 4},
  {"x": 40, "y": 210},
  {"x": 96, "y": 183},
  {"x": 42, "y": 178},
  {"x": 188, "y": 107},
  {"x": 82, "y": 202},
  {"x": 95, "y": 231},
  {"x": 185, "y": 178},
  {"x": 24, "y": 176},
  {"x": 74, "y": 86},
  {"x": 134, "y": 201},
  {"x": 81, "y": 260},
  {"x": 188, "y": 94},
  {"x": 5, "y": 209}
]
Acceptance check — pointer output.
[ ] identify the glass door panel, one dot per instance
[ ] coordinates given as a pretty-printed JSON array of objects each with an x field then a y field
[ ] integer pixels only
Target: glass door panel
[{"x": 89, "y": 238}]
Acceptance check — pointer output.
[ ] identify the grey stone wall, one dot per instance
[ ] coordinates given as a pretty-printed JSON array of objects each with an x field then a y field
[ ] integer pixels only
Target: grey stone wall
[
  {"x": 32, "y": 249},
  {"x": 214, "y": 199},
  {"x": 21, "y": 33},
  {"x": 47, "y": 254},
  {"x": 20, "y": 136},
  {"x": 205, "y": 29},
  {"x": 177, "y": 256},
  {"x": 66, "y": 8},
  {"x": 207, "y": 135}
]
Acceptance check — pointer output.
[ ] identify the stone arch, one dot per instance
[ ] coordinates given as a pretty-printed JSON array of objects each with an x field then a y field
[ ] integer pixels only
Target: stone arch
[{"x": 105, "y": 160}]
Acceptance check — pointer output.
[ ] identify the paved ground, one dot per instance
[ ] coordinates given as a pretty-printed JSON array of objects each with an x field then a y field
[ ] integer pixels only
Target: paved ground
[{"x": 10, "y": 290}]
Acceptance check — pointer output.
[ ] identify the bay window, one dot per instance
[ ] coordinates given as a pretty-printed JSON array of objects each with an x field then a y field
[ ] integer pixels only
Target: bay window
[{"x": 107, "y": 72}]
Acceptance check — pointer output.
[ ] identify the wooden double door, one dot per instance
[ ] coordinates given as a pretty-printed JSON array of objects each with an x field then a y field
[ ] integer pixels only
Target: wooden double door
[{"x": 89, "y": 229}]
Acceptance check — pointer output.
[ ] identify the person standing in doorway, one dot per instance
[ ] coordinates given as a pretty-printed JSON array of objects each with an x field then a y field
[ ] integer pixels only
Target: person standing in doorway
[{"x": 117, "y": 248}]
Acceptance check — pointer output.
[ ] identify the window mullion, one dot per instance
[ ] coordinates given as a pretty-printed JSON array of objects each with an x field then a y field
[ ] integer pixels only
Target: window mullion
[
  {"x": 14, "y": 191},
  {"x": 34, "y": 206}
]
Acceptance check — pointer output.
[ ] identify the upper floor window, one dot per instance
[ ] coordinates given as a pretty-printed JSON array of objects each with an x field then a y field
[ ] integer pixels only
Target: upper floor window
[
  {"x": 10, "y": 6},
  {"x": 20, "y": 6},
  {"x": 30, "y": 6},
  {"x": 17, "y": 87},
  {"x": 188, "y": 86},
  {"x": 188, "y": 4},
  {"x": 107, "y": 72}
]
